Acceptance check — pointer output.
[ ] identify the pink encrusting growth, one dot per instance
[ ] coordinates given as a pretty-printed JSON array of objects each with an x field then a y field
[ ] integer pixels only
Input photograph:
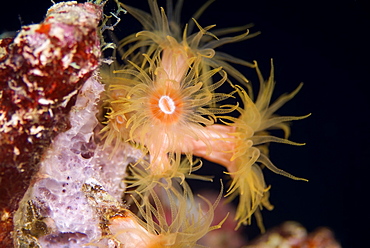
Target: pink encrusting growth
[{"x": 165, "y": 101}]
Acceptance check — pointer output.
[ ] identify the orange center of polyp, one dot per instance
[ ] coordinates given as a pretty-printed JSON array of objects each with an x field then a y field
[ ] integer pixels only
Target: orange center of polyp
[{"x": 166, "y": 107}]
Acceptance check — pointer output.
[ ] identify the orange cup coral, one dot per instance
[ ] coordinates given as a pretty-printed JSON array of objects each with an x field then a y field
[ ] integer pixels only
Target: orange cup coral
[
  {"x": 170, "y": 218},
  {"x": 164, "y": 101}
]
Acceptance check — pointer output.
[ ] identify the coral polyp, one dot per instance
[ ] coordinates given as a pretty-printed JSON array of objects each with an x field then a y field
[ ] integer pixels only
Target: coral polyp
[
  {"x": 170, "y": 218},
  {"x": 165, "y": 100},
  {"x": 250, "y": 152},
  {"x": 164, "y": 38},
  {"x": 161, "y": 113}
]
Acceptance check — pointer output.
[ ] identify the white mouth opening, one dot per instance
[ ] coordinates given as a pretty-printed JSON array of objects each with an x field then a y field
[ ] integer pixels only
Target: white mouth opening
[{"x": 167, "y": 105}]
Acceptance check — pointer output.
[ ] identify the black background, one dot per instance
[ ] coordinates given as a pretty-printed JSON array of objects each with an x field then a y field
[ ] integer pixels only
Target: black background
[{"x": 324, "y": 44}]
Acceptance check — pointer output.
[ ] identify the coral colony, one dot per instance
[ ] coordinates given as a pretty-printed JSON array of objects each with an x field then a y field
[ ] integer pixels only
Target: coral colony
[{"x": 77, "y": 138}]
